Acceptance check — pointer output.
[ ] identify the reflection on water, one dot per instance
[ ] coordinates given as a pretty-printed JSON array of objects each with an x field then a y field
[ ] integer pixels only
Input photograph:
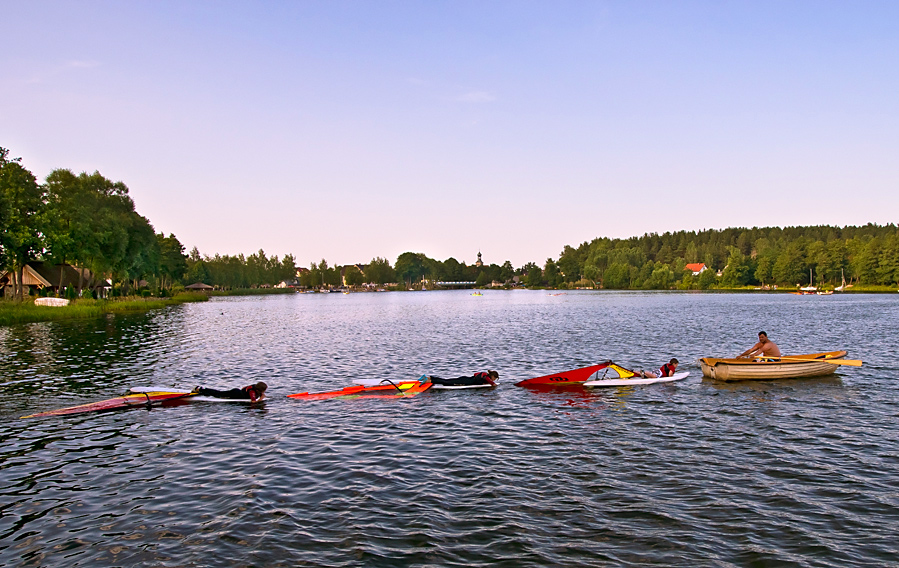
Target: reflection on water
[{"x": 670, "y": 474}]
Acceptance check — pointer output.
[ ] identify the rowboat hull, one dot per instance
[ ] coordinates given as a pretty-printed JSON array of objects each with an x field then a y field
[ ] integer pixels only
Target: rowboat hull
[{"x": 754, "y": 370}]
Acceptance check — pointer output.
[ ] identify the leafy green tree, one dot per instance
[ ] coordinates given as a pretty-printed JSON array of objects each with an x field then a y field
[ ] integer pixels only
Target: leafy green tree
[
  {"x": 688, "y": 281},
  {"x": 888, "y": 264},
  {"x": 172, "y": 260},
  {"x": 764, "y": 267},
  {"x": 551, "y": 274},
  {"x": 22, "y": 202},
  {"x": 691, "y": 255},
  {"x": 866, "y": 260},
  {"x": 452, "y": 270},
  {"x": 198, "y": 272},
  {"x": 617, "y": 276},
  {"x": 69, "y": 220},
  {"x": 142, "y": 253},
  {"x": 571, "y": 262},
  {"x": 312, "y": 278},
  {"x": 534, "y": 278},
  {"x": 739, "y": 270},
  {"x": 789, "y": 268},
  {"x": 832, "y": 261},
  {"x": 506, "y": 272},
  {"x": 591, "y": 273},
  {"x": 483, "y": 279},
  {"x": 707, "y": 280},
  {"x": 661, "y": 277},
  {"x": 410, "y": 267},
  {"x": 379, "y": 271},
  {"x": 353, "y": 276},
  {"x": 288, "y": 269}
]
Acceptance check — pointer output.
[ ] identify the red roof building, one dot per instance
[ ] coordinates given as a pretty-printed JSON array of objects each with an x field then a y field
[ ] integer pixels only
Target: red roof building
[{"x": 696, "y": 268}]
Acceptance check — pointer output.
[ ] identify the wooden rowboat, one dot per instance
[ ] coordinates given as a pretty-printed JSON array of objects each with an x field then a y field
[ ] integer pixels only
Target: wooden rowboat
[{"x": 787, "y": 367}]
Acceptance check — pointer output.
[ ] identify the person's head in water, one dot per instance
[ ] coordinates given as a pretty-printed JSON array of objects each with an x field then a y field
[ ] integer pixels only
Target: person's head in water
[
  {"x": 260, "y": 387},
  {"x": 493, "y": 374},
  {"x": 673, "y": 362}
]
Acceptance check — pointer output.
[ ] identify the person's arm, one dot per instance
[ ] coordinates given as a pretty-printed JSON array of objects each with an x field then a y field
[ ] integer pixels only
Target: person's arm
[{"x": 750, "y": 351}]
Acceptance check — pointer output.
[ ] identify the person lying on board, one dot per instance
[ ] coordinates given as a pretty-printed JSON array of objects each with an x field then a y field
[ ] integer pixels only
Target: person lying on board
[
  {"x": 666, "y": 370},
  {"x": 250, "y": 392},
  {"x": 764, "y": 347},
  {"x": 488, "y": 378}
]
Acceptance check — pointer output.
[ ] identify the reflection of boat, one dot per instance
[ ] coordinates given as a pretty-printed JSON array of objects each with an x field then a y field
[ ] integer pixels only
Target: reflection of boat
[{"x": 787, "y": 367}]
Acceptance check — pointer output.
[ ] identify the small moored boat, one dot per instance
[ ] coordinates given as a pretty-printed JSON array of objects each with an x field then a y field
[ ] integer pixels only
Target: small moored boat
[{"x": 786, "y": 367}]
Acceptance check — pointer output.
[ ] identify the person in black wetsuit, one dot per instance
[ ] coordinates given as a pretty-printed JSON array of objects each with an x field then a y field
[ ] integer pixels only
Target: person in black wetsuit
[
  {"x": 488, "y": 378},
  {"x": 250, "y": 392}
]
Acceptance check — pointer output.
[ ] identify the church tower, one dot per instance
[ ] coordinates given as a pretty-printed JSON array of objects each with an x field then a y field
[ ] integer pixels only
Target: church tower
[{"x": 479, "y": 263}]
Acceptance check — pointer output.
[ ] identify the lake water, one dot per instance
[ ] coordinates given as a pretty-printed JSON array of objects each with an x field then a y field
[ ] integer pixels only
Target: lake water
[{"x": 693, "y": 473}]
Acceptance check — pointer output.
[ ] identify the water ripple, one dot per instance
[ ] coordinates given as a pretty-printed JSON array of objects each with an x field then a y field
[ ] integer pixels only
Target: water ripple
[{"x": 785, "y": 473}]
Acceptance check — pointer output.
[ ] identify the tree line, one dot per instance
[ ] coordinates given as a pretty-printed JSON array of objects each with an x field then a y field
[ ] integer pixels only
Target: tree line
[
  {"x": 732, "y": 258},
  {"x": 89, "y": 221},
  {"x": 760, "y": 256}
]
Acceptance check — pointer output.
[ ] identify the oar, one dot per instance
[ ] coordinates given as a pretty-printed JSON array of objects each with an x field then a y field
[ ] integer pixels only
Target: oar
[{"x": 850, "y": 362}]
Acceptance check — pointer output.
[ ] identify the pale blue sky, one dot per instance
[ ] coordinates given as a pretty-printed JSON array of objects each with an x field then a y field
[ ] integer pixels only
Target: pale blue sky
[{"x": 348, "y": 130}]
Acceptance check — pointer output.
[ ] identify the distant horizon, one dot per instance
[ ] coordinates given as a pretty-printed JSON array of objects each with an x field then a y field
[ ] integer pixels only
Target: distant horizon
[{"x": 349, "y": 130}]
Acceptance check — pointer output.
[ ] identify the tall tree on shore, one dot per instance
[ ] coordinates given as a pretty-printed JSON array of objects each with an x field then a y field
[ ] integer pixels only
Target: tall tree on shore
[
  {"x": 379, "y": 271},
  {"x": 22, "y": 202},
  {"x": 68, "y": 227},
  {"x": 172, "y": 260},
  {"x": 410, "y": 266}
]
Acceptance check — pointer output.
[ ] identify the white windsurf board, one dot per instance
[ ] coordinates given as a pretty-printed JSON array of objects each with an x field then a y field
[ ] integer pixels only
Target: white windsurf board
[
  {"x": 617, "y": 382},
  {"x": 195, "y": 397}
]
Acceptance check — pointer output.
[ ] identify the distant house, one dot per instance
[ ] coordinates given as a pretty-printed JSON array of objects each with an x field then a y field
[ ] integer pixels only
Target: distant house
[
  {"x": 38, "y": 276},
  {"x": 199, "y": 286},
  {"x": 696, "y": 268}
]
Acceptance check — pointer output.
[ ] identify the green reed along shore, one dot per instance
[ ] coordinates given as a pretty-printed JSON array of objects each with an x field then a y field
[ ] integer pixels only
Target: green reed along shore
[{"x": 12, "y": 312}]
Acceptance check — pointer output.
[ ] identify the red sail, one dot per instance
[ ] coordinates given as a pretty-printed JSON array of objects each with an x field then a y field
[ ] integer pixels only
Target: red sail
[{"x": 573, "y": 377}]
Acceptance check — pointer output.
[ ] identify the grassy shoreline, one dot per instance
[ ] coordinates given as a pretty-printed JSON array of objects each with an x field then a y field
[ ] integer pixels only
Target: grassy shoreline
[{"x": 12, "y": 313}]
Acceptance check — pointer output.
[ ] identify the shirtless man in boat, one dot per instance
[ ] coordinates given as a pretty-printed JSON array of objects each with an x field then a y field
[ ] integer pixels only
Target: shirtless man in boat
[{"x": 765, "y": 347}]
